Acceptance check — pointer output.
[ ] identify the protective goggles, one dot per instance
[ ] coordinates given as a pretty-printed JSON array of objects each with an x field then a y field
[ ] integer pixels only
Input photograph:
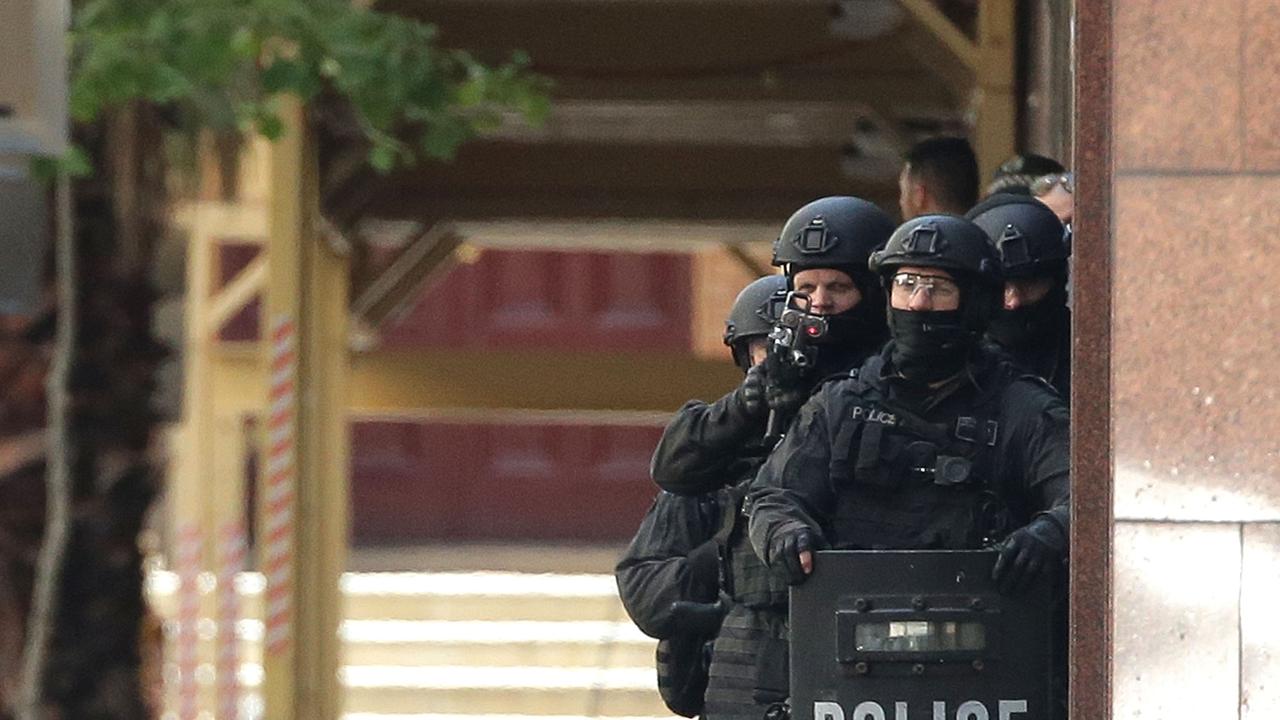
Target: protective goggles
[
  {"x": 1046, "y": 183},
  {"x": 935, "y": 286}
]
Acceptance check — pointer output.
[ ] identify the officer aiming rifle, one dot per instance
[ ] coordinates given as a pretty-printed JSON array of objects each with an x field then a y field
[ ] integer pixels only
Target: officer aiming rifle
[
  {"x": 835, "y": 319},
  {"x": 823, "y": 250},
  {"x": 792, "y": 356}
]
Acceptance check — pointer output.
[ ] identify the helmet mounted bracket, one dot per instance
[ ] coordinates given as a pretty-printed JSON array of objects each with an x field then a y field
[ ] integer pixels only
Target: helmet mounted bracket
[
  {"x": 925, "y": 240},
  {"x": 815, "y": 238},
  {"x": 1012, "y": 245}
]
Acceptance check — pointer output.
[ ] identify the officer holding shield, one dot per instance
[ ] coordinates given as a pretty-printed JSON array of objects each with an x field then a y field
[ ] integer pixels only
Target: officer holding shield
[{"x": 937, "y": 442}]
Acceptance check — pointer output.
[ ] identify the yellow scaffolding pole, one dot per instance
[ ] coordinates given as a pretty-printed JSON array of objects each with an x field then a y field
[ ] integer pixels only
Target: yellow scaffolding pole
[
  {"x": 278, "y": 482},
  {"x": 982, "y": 70},
  {"x": 193, "y": 478},
  {"x": 208, "y": 480},
  {"x": 996, "y": 124},
  {"x": 302, "y": 486},
  {"x": 323, "y": 528}
]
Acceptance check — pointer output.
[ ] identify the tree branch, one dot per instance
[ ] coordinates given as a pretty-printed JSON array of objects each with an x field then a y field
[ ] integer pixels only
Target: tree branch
[{"x": 44, "y": 605}]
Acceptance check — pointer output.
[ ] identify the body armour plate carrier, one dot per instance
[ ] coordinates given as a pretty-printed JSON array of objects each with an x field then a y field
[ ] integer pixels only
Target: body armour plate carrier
[
  {"x": 744, "y": 576},
  {"x": 907, "y": 483}
]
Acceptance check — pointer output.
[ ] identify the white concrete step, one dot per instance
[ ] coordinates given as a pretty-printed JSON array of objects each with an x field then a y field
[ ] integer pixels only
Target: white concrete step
[
  {"x": 491, "y": 716},
  {"x": 593, "y": 692},
  {"x": 459, "y": 645},
  {"x": 470, "y": 693},
  {"x": 491, "y": 643},
  {"x": 589, "y": 643},
  {"x": 486, "y": 595},
  {"x": 474, "y": 690}
]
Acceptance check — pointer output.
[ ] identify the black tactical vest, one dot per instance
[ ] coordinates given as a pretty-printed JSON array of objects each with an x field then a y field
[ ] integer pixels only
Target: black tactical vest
[
  {"x": 906, "y": 483},
  {"x": 743, "y": 576},
  {"x": 747, "y": 579}
]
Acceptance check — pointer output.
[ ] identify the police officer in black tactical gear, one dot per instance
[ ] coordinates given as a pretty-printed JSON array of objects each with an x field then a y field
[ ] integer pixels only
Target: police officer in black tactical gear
[
  {"x": 669, "y": 578},
  {"x": 823, "y": 249},
  {"x": 936, "y": 442},
  {"x": 704, "y": 442},
  {"x": 1034, "y": 324}
]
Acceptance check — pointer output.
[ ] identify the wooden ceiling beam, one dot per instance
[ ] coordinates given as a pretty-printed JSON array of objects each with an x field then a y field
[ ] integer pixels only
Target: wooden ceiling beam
[
  {"x": 959, "y": 45},
  {"x": 943, "y": 49},
  {"x": 692, "y": 122}
]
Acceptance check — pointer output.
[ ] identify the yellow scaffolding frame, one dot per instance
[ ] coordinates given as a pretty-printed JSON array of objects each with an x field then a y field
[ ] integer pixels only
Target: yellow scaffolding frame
[
  {"x": 294, "y": 384},
  {"x": 985, "y": 67}
]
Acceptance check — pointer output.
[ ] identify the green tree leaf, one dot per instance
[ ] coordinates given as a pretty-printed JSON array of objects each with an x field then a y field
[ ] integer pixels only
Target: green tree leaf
[{"x": 219, "y": 63}]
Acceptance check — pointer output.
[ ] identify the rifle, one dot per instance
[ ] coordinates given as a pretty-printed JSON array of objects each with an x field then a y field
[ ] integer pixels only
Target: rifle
[{"x": 791, "y": 353}]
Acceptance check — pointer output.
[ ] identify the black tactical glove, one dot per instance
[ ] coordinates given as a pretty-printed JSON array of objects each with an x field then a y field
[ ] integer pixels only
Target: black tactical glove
[
  {"x": 784, "y": 402},
  {"x": 1027, "y": 553},
  {"x": 751, "y": 393},
  {"x": 785, "y": 398},
  {"x": 785, "y": 552}
]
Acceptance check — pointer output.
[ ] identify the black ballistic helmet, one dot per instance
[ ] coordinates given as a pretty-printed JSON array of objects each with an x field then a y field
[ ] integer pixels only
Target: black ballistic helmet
[
  {"x": 753, "y": 314},
  {"x": 954, "y": 244},
  {"x": 833, "y": 232},
  {"x": 949, "y": 242},
  {"x": 1030, "y": 239}
]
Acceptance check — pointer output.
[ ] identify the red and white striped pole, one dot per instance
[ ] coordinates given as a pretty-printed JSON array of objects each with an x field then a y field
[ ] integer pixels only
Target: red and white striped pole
[
  {"x": 232, "y": 550},
  {"x": 280, "y": 496},
  {"x": 188, "y": 635}
]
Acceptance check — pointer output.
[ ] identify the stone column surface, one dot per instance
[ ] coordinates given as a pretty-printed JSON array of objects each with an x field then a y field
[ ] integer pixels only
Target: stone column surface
[{"x": 1195, "y": 358}]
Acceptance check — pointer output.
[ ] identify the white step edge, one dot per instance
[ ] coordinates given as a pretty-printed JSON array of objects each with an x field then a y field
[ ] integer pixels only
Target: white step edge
[
  {"x": 472, "y": 632},
  {"x": 480, "y": 583},
  {"x": 440, "y": 716},
  {"x": 497, "y": 678},
  {"x": 494, "y": 583},
  {"x": 475, "y": 677}
]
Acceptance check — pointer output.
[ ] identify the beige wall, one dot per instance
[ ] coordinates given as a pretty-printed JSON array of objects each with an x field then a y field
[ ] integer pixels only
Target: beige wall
[{"x": 1195, "y": 403}]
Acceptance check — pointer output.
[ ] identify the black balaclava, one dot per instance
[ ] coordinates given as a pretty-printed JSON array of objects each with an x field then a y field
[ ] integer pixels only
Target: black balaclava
[
  {"x": 929, "y": 345},
  {"x": 933, "y": 345},
  {"x": 1031, "y": 326}
]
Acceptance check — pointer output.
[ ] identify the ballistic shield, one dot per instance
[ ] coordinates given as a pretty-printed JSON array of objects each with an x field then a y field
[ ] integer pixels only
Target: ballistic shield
[{"x": 918, "y": 635}]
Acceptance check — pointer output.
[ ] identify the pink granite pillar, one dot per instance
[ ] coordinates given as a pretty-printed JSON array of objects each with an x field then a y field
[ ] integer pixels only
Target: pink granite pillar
[{"x": 1178, "y": 350}]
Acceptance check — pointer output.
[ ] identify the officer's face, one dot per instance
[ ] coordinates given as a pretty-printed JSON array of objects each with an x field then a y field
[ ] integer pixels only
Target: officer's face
[
  {"x": 917, "y": 296},
  {"x": 830, "y": 291},
  {"x": 1025, "y": 291},
  {"x": 757, "y": 349}
]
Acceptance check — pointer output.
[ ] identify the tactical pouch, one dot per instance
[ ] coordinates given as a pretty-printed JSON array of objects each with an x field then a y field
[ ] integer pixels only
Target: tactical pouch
[
  {"x": 773, "y": 672},
  {"x": 874, "y": 465},
  {"x": 751, "y": 582},
  {"x": 841, "y": 449},
  {"x": 683, "y": 662}
]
